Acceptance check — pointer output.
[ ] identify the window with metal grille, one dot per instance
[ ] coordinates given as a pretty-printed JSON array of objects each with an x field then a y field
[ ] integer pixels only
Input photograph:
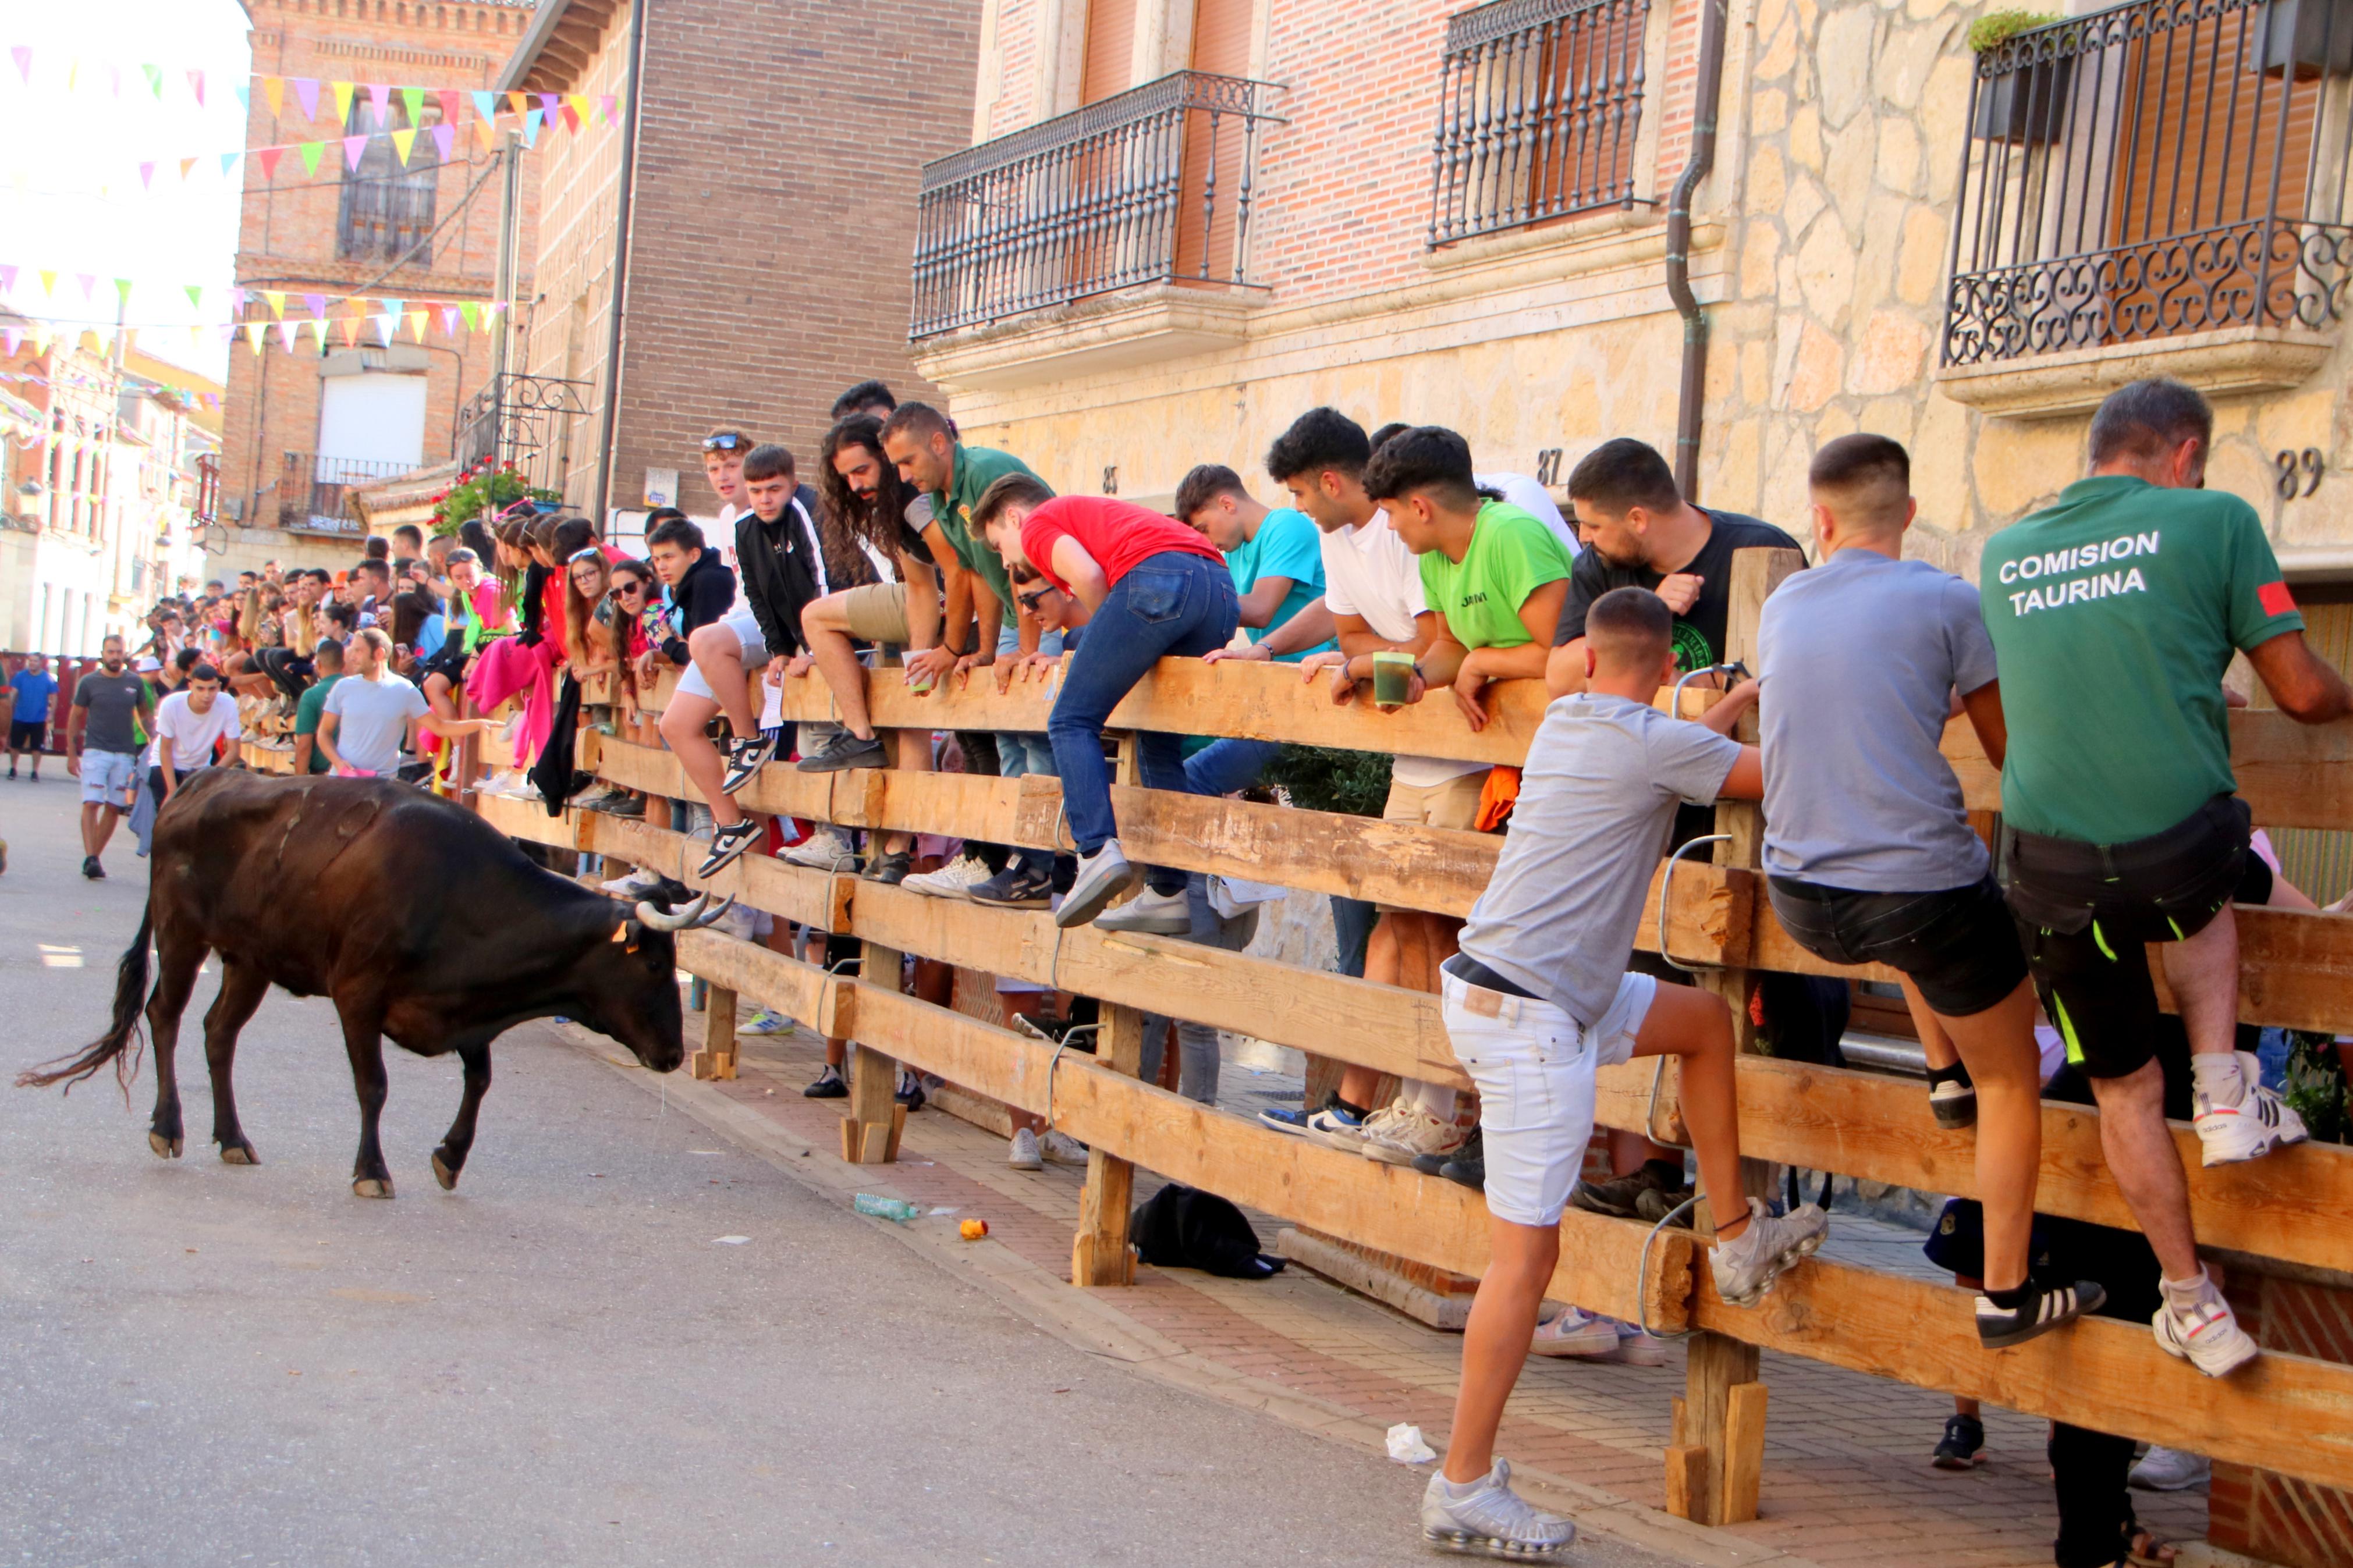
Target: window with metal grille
[{"x": 387, "y": 205}]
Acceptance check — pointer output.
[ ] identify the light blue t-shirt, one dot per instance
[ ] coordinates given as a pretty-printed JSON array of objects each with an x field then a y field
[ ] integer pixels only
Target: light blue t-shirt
[
  {"x": 33, "y": 694},
  {"x": 431, "y": 636},
  {"x": 1287, "y": 545}
]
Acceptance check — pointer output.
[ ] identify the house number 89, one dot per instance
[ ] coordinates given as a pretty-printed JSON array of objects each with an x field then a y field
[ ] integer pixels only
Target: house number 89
[{"x": 2299, "y": 472}]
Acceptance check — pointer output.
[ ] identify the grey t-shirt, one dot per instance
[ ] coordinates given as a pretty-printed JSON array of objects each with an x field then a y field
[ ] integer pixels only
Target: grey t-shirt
[
  {"x": 112, "y": 704},
  {"x": 1596, "y": 797},
  {"x": 1859, "y": 659},
  {"x": 372, "y": 719}
]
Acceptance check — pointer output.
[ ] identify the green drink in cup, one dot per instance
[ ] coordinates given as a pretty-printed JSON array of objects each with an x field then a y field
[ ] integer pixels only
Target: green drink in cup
[{"x": 1392, "y": 677}]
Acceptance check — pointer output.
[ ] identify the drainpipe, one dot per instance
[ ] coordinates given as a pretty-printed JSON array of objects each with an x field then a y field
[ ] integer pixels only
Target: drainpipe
[
  {"x": 1705, "y": 91},
  {"x": 620, "y": 266}
]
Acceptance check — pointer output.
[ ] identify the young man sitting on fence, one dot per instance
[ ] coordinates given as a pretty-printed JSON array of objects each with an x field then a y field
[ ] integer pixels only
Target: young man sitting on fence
[
  {"x": 1868, "y": 845},
  {"x": 1539, "y": 997},
  {"x": 1152, "y": 587},
  {"x": 2114, "y": 612},
  {"x": 783, "y": 567}
]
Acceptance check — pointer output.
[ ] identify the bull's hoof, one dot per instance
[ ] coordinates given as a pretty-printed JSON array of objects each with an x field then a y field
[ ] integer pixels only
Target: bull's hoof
[
  {"x": 443, "y": 1174},
  {"x": 165, "y": 1148},
  {"x": 239, "y": 1154},
  {"x": 372, "y": 1187}
]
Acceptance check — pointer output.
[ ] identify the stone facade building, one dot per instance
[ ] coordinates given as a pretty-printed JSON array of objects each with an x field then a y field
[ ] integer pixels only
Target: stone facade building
[
  {"x": 753, "y": 228},
  {"x": 304, "y": 427}
]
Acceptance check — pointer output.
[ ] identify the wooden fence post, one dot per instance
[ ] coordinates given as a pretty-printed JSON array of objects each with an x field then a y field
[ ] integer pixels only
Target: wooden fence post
[
  {"x": 716, "y": 1059},
  {"x": 1099, "y": 1253},
  {"x": 869, "y": 1133}
]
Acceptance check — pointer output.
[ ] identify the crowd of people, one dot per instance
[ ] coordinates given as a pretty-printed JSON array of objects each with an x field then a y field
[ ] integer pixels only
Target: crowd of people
[{"x": 1398, "y": 571}]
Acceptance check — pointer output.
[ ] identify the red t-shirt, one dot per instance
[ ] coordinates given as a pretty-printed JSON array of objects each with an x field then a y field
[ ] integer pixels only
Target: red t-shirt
[{"x": 1120, "y": 537}]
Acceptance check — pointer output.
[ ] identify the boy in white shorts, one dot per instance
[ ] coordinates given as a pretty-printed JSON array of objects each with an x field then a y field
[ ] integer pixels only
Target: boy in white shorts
[{"x": 1538, "y": 998}]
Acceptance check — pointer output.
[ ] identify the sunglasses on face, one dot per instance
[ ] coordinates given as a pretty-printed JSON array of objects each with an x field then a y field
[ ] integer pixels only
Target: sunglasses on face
[
  {"x": 629, "y": 588},
  {"x": 1029, "y": 600}
]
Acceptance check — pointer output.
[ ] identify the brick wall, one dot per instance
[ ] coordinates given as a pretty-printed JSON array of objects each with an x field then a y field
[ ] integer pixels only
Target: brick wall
[{"x": 287, "y": 239}]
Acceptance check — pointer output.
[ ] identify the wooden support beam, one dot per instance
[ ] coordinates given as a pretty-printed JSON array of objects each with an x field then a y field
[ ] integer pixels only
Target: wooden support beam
[
  {"x": 716, "y": 1059},
  {"x": 1714, "y": 1366},
  {"x": 1744, "y": 1452},
  {"x": 1099, "y": 1253},
  {"x": 869, "y": 1133}
]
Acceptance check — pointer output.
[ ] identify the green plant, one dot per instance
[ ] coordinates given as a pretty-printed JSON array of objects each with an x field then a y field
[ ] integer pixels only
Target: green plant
[
  {"x": 1999, "y": 26},
  {"x": 482, "y": 487},
  {"x": 2316, "y": 1084},
  {"x": 1323, "y": 778}
]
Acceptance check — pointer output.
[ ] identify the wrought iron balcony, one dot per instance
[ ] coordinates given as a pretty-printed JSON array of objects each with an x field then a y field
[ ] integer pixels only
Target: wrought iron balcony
[
  {"x": 1539, "y": 103},
  {"x": 2164, "y": 167},
  {"x": 515, "y": 418},
  {"x": 1152, "y": 185},
  {"x": 314, "y": 490}
]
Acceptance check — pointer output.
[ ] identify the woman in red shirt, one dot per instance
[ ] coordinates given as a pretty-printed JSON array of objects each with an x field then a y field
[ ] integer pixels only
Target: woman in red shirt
[{"x": 1152, "y": 587}]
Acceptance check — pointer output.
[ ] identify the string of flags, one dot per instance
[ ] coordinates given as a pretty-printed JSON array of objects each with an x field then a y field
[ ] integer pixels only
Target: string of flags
[{"x": 211, "y": 400}]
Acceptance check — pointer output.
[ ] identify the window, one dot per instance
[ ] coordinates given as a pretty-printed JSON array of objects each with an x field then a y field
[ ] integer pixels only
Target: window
[{"x": 387, "y": 207}]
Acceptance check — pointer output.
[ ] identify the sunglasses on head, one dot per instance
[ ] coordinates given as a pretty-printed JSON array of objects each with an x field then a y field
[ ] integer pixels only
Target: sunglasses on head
[{"x": 721, "y": 442}]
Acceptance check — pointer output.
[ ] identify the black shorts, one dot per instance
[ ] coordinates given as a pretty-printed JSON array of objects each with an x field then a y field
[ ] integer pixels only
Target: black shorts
[
  {"x": 2085, "y": 912},
  {"x": 28, "y": 734},
  {"x": 1958, "y": 946}
]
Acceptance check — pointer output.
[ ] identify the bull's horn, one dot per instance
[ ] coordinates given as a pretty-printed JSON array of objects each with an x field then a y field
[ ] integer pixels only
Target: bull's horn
[
  {"x": 712, "y": 916},
  {"x": 653, "y": 917}
]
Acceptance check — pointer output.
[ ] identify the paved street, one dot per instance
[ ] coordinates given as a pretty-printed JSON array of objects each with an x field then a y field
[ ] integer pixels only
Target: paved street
[{"x": 558, "y": 1363}]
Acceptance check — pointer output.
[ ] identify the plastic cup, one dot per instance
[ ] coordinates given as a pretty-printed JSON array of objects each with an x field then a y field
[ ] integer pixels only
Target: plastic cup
[{"x": 1392, "y": 677}]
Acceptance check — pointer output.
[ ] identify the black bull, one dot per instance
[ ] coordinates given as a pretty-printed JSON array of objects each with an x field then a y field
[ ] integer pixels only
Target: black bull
[{"x": 418, "y": 920}]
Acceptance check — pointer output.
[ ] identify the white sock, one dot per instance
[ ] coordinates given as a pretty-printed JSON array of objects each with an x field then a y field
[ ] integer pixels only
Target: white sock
[
  {"x": 2180, "y": 1295},
  {"x": 2218, "y": 1077},
  {"x": 1434, "y": 1097}
]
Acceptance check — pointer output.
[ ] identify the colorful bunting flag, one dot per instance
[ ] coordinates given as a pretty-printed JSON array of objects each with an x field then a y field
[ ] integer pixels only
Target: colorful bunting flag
[
  {"x": 447, "y": 96},
  {"x": 8, "y": 278},
  {"x": 195, "y": 295},
  {"x": 484, "y": 133},
  {"x": 186, "y": 164},
  {"x": 88, "y": 282},
  {"x": 402, "y": 141},
  {"x": 548, "y": 102},
  {"x": 123, "y": 292},
  {"x": 244, "y": 98},
  {"x": 273, "y": 88},
  {"x": 306, "y": 93},
  {"x": 269, "y": 156},
  {"x": 236, "y": 298},
  {"x": 609, "y": 108},
  {"x": 316, "y": 304},
  {"x": 24, "y": 57},
  {"x": 155, "y": 78},
  {"x": 311, "y": 152},
  {"x": 517, "y": 101},
  {"x": 417, "y": 324},
  {"x": 531, "y": 129},
  {"x": 351, "y": 331},
  {"x": 380, "y": 100},
  {"x": 229, "y": 163},
  {"x": 196, "y": 82},
  {"x": 290, "y": 333},
  {"x": 48, "y": 282},
  {"x": 12, "y": 336},
  {"x": 276, "y": 299},
  {"x": 354, "y": 146},
  {"x": 413, "y": 98},
  {"x": 448, "y": 320},
  {"x": 147, "y": 176},
  {"x": 445, "y": 136},
  {"x": 472, "y": 311},
  {"x": 253, "y": 332},
  {"x": 343, "y": 92},
  {"x": 571, "y": 120},
  {"x": 486, "y": 105}
]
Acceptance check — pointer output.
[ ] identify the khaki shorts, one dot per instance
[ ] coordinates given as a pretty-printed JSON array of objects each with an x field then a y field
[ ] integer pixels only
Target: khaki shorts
[
  {"x": 877, "y": 613},
  {"x": 1453, "y": 804}
]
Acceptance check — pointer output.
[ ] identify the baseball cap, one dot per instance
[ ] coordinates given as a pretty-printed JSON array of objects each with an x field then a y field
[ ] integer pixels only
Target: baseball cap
[{"x": 148, "y": 665}]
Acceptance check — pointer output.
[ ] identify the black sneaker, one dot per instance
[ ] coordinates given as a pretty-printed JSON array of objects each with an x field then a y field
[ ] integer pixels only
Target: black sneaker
[
  {"x": 847, "y": 750},
  {"x": 1998, "y": 1328},
  {"x": 1620, "y": 1196},
  {"x": 910, "y": 1091},
  {"x": 632, "y": 805},
  {"x": 830, "y": 1085},
  {"x": 726, "y": 843},
  {"x": 92, "y": 870},
  {"x": 1952, "y": 1097},
  {"x": 745, "y": 758},
  {"x": 1656, "y": 1204},
  {"x": 1468, "y": 1166},
  {"x": 1959, "y": 1448},
  {"x": 1016, "y": 888},
  {"x": 890, "y": 869}
]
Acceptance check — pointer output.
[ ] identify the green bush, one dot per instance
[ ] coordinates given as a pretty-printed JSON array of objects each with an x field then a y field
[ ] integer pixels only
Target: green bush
[
  {"x": 2316, "y": 1084},
  {"x": 1999, "y": 26},
  {"x": 1323, "y": 778}
]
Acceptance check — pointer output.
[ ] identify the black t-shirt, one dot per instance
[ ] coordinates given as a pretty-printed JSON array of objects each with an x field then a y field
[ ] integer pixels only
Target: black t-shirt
[{"x": 1699, "y": 631}]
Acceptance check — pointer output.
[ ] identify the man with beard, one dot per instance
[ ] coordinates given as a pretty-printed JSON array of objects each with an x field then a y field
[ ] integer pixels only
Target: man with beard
[{"x": 110, "y": 705}]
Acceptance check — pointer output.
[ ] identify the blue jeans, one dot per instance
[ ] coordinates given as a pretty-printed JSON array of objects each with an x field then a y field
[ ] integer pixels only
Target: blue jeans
[
  {"x": 1172, "y": 603},
  {"x": 1021, "y": 752},
  {"x": 1352, "y": 932},
  {"x": 1197, "y": 1044},
  {"x": 1221, "y": 767}
]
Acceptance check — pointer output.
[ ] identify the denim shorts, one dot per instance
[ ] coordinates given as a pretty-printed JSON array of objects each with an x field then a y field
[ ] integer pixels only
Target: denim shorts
[
  {"x": 1959, "y": 947},
  {"x": 108, "y": 778}
]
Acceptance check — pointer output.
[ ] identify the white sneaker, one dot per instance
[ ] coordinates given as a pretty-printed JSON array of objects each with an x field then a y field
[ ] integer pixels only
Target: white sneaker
[
  {"x": 1024, "y": 1154},
  {"x": 1061, "y": 1148},
  {"x": 762, "y": 1022},
  {"x": 956, "y": 880},
  {"x": 1162, "y": 914},
  {"x": 1408, "y": 1134},
  {"x": 2261, "y": 1122},
  {"x": 826, "y": 850},
  {"x": 1745, "y": 1268},
  {"x": 2206, "y": 1334},
  {"x": 1101, "y": 877},
  {"x": 636, "y": 885},
  {"x": 1575, "y": 1332},
  {"x": 1490, "y": 1520},
  {"x": 2171, "y": 1470}
]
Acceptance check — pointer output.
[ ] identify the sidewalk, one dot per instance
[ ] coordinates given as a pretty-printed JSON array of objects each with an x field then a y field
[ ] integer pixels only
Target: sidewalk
[{"x": 1847, "y": 1478}]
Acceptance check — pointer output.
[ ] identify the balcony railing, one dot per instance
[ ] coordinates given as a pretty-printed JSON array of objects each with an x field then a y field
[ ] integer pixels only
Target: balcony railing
[
  {"x": 516, "y": 419},
  {"x": 1539, "y": 103},
  {"x": 1153, "y": 185},
  {"x": 314, "y": 491},
  {"x": 2165, "y": 167}
]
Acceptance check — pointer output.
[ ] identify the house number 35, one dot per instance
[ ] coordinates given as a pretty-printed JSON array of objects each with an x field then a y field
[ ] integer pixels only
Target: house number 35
[{"x": 2299, "y": 472}]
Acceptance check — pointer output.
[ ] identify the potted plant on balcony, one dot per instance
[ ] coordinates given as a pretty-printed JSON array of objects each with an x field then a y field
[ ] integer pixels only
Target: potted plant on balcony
[
  {"x": 2309, "y": 38},
  {"x": 480, "y": 490},
  {"x": 2027, "y": 103}
]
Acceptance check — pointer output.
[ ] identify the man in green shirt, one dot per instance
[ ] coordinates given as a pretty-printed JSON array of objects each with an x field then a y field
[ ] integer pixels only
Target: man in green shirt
[
  {"x": 1494, "y": 575},
  {"x": 2114, "y": 613},
  {"x": 327, "y": 661}
]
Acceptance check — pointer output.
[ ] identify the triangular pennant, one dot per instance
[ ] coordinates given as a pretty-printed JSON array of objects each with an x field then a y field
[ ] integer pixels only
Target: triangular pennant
[
  {"x": 571, "y": 120},
  {"x": 88, "y": 281},
  {"x": 155, "y": 78},
  {"x": 486, "y": 105},
  {"x": 237, "y": 300},
  {"x": 24, "y": 57},
  {"x": 269, "y": 156},
  {"x": 48, "y": 281},
  {"x": 517, "y": 102},
  {"x": 448, "y": 320},
  {"x": 445, "y": 136},
  {"x": 351, "y": 331},
  {"x": 387, "y": 326},
  {"x": 12, "y": 336},
  {"x": 578, "y": 103},
  {"x": 402, "y": 141},
  {"x": 531, "y": 129},
  {"x": 306, "y": 93},
  {"x": 316, "y": 304},
  {"x": 195, "y": 295},
  {"x": 273, "y": 88},
  {"x": 473, "y": 314},
  {"x": 123, "y": 292},
  {"x": 229, "y": 163},
  {"x": 448, "y": 97},
  {"x": 276, "y": 300},
  {"x": 392, "y": 306},
  {"x": 343, "y": 92},
  {"x": 244, "y": 98},
  {"x": 130, "y": 341},
  {"x": 413, "y": 98},
  {"x": 311, "y": 150},
  {"x": 485, "y": 134},
  {"x": 354, "y": 146},
  {"x": 417, "y": 324},
  {"x": 196, "y": 82},
  {"x": 147, "y": 176},
  {"x": 7, "y": 277},
  {"x": 289, "y": 333},
  {"x": 548, "y": 102},
  {"x": 186, "y": 166},
  {"x": 609, "y": 108},
  {"x": 253, "y": 333},
  {"x": 380, "y": 100}
]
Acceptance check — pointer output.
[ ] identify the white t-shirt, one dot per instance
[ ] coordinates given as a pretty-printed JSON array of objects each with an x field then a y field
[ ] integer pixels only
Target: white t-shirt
[
  {"x": 1369, "y": 573},
  {"x": 1532, "y": 498},
  {"x": 372, "y": 720},
  {"x": 192, "y": 735}
]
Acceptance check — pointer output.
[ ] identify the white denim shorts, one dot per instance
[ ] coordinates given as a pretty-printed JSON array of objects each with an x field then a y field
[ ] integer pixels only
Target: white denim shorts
[
  {"x": 746, "y": 627},
  {"x": 1535, "y": 1067},
  {"x": 108, "y": 778}
]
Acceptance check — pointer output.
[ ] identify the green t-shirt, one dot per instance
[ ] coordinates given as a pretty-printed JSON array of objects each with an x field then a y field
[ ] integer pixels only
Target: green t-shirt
[
  {"x": 976, "y": 469},
  {"x": 307, "y": 710},
  {"x": 2114, "y": 613},
  {"x": 1511, "y": 556}
]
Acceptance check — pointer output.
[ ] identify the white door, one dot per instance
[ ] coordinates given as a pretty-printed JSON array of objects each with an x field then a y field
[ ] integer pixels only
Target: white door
[{"x": 371, "y": 426}]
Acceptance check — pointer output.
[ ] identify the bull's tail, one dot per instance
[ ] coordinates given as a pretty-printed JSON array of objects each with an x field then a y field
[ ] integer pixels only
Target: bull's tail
[{"x": 130, "y": 997}]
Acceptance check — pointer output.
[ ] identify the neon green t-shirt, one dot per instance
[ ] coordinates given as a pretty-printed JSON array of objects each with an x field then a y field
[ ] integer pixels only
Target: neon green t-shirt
[
  {"x": 1511, "y": 556},
  {"x": 2114, "y": 613}
]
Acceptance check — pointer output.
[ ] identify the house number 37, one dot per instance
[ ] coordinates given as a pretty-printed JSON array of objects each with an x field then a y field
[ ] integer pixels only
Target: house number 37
[{"x": 2299, "y": 472}]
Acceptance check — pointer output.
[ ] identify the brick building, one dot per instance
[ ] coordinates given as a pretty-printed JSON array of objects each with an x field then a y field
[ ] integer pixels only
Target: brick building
[
  {"x": 762, "y": 259},
  {"x": 303, "y": 427}
]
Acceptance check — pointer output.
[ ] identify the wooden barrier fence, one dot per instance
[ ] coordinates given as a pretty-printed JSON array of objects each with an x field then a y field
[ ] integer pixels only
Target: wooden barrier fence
[{"x": 2287, "y": 1414}]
